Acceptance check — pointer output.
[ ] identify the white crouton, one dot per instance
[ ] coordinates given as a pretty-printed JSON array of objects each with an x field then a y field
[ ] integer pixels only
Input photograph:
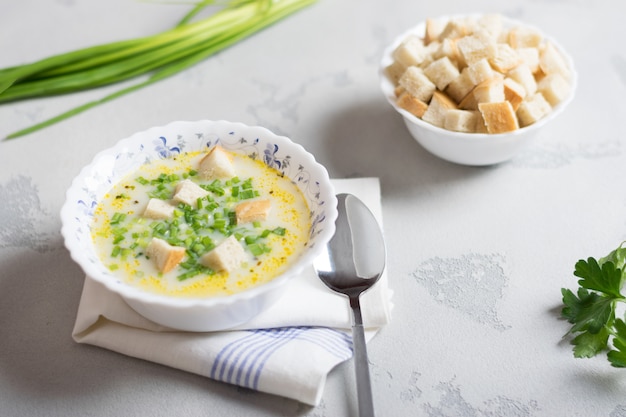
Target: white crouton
[
  {"x": 499, "y": 117},
  {"x": 505, "y": 58},
  {"x": 226, "y": 256},
  {"x": 469, "y": 102},
  {"x": 411, "y": 104},
  {"x": 437, "y": 109},
  {"x": 524, "y": 76},
  {"x": 394, "y": 71},
  {"x": 416, "y": 83},
  {"x": 476, "y": 47},
  {"x": 460, "y": 86},
  {"x": 533, "y": 109},
  {"x": 434, "y": 27},
  {"x": 447, "y": 47},
  {"x": 158, "y": 209},
  {"x": 554, "y": 88},
  {"x": 479, "y": 71},
  {"x": 411, "y": 52},
  {"x": 501, "y": 76},
  {"x": 552, "y": 62},
  {"x": 460, "y": 120},
  {"x": 524, "y": 37},
  {"x": 489, "y": 91},
  {"x": 218, "y": 163},
  {"x": 480, "y": 126},
  {"x": 470, "y": 24},
  {"x": 492, "y": 24},
  {"x": 188, "y": 192},
  {"x": 431, "y": 48},
  {"x": 503, "y": 37},
  {"x": 441, "y": 72},
  {"x": 514, "y": 93},
  {"x": 250, "y": 211},
  {"x": 164, "y": 255},
  {"x": 530, "y": 57},
  {"x": 454, "y": 29}
]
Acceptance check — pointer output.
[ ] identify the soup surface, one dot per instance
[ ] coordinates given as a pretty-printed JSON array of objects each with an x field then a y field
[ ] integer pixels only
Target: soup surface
[{"x": 124, "y": 232}]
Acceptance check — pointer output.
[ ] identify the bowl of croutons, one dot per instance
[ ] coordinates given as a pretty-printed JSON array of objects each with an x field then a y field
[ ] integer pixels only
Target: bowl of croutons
[
  {"x": 199, "y": 226},
  {"x": 476, "y": 89}
]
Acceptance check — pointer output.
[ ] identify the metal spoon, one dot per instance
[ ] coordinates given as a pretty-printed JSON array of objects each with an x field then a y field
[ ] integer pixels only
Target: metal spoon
[{"x": 352, "y": 263}]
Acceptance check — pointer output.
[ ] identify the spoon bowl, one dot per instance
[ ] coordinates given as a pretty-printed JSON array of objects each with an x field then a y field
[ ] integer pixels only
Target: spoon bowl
[{"x": 352, "y": 262}]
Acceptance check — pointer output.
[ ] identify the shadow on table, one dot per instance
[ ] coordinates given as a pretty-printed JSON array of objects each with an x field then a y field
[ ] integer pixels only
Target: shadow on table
[
  {"x": 39, "y": 293},
  {"x": 45, "y": 370},
  {"x": 371, "y": 140}
]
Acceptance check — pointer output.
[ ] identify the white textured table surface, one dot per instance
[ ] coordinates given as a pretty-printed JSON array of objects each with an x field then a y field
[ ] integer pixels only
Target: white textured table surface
[{"x": 477, "y": 256}]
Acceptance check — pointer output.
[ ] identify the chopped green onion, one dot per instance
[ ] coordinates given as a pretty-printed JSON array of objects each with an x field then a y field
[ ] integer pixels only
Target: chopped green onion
[
  {"x": 258, "y": 249},
  {"x": 247, "y": 184},
  {"x": 280, "y": 231},
  {"x": 246, "y": 194},
  {"x": 208, "y": 242},
  {"x": 219, "y": 224},
  {"x": 188, "y": 274},
  {"x": 216, "y": 189},
  {"x": 117, "y": 218},
  {"x": 117, "y": 238}
]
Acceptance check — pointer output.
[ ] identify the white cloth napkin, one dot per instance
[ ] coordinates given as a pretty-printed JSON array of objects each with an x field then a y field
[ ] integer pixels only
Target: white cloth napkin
[{"x": 288, "y": 350}]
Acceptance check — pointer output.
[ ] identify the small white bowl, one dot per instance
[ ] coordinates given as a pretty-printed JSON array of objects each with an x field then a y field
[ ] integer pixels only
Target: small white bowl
[
  {"x": 209, "y": 313},
  {"x": 475, "y": 149}
]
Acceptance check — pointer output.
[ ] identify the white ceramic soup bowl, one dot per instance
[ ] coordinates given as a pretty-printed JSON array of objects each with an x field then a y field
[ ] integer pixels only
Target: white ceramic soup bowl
[
  {"x": 208, "y": 313},
  {"x": 475, "y": 149}
]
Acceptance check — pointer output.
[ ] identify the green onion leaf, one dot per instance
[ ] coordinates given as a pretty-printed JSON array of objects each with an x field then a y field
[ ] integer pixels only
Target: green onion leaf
[
  {"x": 158, "y": 56},
  {"x": 280, "y": 231}
]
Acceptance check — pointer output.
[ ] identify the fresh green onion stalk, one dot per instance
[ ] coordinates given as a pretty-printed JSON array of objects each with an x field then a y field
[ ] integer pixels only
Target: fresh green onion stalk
[{"x": 158, "y": 56}]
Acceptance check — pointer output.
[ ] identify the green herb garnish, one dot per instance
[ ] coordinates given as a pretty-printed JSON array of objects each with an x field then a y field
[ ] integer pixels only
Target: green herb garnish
[
  {"x": 191, "y": 227},
  {"x": 592, "y": 310},
  {"x": 157, "y": 57},
  {"x": 117, "y": 218},
  {"x": 280, "y": 231}
]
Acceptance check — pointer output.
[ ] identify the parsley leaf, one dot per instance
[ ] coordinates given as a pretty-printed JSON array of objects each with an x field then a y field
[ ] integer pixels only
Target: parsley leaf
[
  {"x": 606, "y": 278},
  {"x": 588, "y": 311},
  {"x": 588, "y": 345},
  {"x": 592, "y": 309},
  {"x": 617, "y": 357}
]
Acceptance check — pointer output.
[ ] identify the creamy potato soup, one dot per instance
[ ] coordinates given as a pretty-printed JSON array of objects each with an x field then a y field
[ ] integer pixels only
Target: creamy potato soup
[{"x": 201, "y": 224}]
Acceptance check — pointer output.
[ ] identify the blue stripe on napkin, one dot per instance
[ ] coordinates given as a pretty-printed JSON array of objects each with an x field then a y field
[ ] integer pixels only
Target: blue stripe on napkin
[{"x": 241, "y": 362}]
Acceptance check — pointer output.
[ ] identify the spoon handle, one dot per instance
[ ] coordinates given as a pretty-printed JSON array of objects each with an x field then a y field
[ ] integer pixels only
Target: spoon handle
[{"x": 361, "y": 365}]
